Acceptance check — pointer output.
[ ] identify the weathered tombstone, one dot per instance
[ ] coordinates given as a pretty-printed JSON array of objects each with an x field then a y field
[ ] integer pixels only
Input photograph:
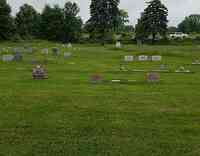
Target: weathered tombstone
[
  {"x": 156, "y": 58},
  {"x": 128, "y": 58},
  {"x": 67, "y": 54},
  {"x": 153, "y": 77},
  {"x": 96, "y": 78},
  {"x": 18, "y": 56},
  {"x": 7, "y": 58},
  {"x": 143, "y": 58},
  {"x": 182, "y": 69},
  {"x": 55, "y": 51},
  {"x": 39, "y": 73},
  {"x": 118, "y": 45},
  {"x": 45, "y": 51}
]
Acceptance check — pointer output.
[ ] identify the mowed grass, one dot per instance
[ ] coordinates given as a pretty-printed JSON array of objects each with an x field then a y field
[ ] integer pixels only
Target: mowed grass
[{"x": 66, "y": 115}]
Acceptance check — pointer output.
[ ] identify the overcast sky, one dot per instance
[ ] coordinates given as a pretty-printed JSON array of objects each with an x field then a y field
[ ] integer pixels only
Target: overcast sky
[{"x": 178, "y": 9}]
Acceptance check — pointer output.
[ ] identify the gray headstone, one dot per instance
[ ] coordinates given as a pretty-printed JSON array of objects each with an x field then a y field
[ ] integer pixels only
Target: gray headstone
[
  {"x": 156, "y": 58},
  {"x": 128, "y": 58},
  {"x": 45, "y": 51},
  {"x": 7, "y": 58},
  {"x": 55, "y": 51},
  {"x": 143, "y": 58},
  {"x": 18, "y": 56},
  {"x": 67, "y": 54}
]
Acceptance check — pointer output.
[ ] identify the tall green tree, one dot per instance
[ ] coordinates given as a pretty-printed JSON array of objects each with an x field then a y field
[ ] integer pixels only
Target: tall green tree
[
  {"x": 104, "y": 16},
  {"x": 72, "y": 23},
  {"x": 52, "y": 23},
  {"x": 6, "y": 21},
  {"x": 190, "y": 24},
  {"x": 153, "y": 21},
  {"x": 122, "y": 20},
  {"x": 27, "y": 22}
]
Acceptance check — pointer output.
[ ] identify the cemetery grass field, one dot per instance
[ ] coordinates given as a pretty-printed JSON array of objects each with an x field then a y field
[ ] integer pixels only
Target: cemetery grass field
[{"x": 67, "y": 115}]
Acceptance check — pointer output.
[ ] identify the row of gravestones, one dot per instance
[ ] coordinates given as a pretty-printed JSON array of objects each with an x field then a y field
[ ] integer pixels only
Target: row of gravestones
[
  {"x": 17, "y": 56},
  {"x": 142, "y": 58}
]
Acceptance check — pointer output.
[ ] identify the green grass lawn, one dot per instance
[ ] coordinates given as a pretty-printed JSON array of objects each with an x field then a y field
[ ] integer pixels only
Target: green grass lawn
[{"x": 66, "y": 115}]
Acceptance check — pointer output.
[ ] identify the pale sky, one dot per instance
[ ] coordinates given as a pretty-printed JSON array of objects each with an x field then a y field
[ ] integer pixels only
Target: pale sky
[{"x": 178, "y": 9}]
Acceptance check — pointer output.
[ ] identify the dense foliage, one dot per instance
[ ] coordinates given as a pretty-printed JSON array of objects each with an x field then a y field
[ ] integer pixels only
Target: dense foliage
[
  {"x": 190, "y": 24},
  {"x": 153, "y": 21},
  {"x": 6, "y": 21}
]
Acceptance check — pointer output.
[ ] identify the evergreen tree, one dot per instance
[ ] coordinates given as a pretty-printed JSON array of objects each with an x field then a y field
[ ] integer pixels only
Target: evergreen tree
[
  {"x": 104, "y": 15},
  {"x": 72, "y": 23},
  {"x": 52, "y": 23},
  {"x": 27, "y": 22},
  {"x": 153, "y": 20},
  {"x": 6, "y": 21}
]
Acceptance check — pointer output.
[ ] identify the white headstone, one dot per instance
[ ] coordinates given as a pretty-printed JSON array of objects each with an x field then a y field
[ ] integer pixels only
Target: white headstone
[
  {"x": 118, "y": 45},
  {"x": 7, "y": 58},
  {"x": 143, "y": 58},
  {"x": 128, "y": 58},
  {"x": 69, "y": 45},
  {"x": 156, "y": 58}
]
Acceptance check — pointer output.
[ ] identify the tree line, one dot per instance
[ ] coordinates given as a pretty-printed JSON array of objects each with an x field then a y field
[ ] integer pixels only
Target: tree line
[{"x": 64, "y": 24}]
